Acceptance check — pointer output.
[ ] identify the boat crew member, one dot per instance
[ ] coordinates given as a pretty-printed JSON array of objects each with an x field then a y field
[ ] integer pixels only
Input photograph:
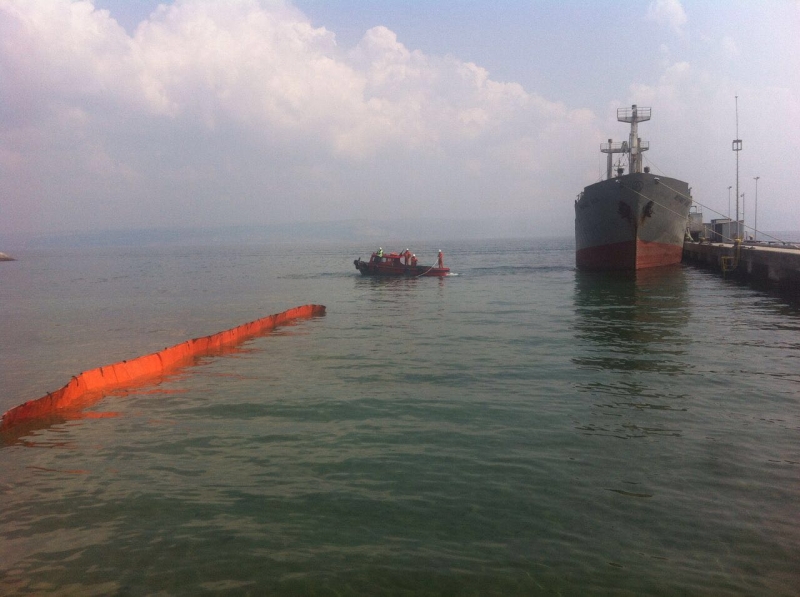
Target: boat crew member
[
  {"x": 406, "y": 256},
  {"x": 380, "y": 251},
  {"x": 413, "y": 260},
  {"x": 441, "y": 259}
]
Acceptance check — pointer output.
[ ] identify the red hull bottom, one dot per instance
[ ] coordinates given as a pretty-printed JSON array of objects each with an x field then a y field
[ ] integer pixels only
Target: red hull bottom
[
  {"x": 629, "y": 255},
  {"x": 407, "y": 271},
  {"x": 393, "y": 265}
]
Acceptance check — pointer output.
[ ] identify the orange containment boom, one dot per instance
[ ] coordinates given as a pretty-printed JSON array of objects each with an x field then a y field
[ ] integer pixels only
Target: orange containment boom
[{"x": 125, "y": 373}]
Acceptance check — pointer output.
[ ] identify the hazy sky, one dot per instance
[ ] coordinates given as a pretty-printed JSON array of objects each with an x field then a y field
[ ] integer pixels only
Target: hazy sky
[{"x": 128, "y": 114}]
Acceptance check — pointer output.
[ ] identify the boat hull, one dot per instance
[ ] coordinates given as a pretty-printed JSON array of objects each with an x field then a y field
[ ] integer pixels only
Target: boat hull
[
  {"x": 410, "y": 271},
  {"x": 631, "y": 222}
]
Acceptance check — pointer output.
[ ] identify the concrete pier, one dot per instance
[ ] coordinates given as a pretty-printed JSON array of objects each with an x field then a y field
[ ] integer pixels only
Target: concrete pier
[{"x": 765, "y": 265}]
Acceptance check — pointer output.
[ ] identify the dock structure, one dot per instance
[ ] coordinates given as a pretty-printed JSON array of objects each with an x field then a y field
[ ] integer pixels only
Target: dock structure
[
  {"x": 723, "y": 244},
  {"x": 773, "y": 265}
]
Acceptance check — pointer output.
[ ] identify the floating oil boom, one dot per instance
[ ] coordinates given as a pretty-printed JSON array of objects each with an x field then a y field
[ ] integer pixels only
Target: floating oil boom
[{"x": 89, "y": 386}]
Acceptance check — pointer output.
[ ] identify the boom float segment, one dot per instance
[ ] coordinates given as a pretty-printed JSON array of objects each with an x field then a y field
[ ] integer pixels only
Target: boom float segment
[{"x": 124, "y": 373}]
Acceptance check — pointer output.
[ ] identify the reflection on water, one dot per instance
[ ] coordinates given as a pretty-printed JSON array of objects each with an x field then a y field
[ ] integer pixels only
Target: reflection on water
[
  {"x": 397, "y": 282},
  {"x": 631, "y": 328},
  {"x": 635, "y": 321}
]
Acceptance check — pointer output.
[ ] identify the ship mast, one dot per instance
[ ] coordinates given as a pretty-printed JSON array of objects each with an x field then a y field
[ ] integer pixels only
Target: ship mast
[
  {"x": 634, "y": 146},
  {"x": 611, "y": 148},
  {"x": 634, "y": 115}
]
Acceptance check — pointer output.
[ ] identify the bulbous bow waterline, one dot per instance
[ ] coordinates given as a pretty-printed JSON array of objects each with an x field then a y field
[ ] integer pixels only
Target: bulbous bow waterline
[{"x": 82, "y": 388}]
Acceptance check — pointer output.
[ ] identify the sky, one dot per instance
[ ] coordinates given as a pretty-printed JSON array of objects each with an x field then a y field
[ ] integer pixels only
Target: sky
[{"x": 122, "y": 115}]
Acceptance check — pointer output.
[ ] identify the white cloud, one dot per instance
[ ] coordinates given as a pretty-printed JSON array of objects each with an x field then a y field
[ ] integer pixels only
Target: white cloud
[
  {"x": 246, "y": 112},
  {"x": 244, "y": 99},
  {"x": 667, "y": 12},
  {"x": 729, "y": 47}
]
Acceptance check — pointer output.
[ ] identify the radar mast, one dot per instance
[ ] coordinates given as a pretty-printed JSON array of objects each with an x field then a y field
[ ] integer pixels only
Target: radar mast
[{"x": 634, "y": 115}]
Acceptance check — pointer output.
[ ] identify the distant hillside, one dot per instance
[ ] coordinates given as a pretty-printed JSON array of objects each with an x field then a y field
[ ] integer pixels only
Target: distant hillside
[{"x": 351, "y": 230}]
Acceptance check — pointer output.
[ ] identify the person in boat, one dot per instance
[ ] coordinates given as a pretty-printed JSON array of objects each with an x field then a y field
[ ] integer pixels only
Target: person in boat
[
  {"x": 441, "y": 260},
  {"x": 406, "y": 257},
  {"x": 413, "y": 260},
  {"x": 380, "y": 252}
]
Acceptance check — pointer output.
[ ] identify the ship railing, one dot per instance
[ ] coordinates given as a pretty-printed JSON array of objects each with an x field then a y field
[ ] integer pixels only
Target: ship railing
[
  {"x": 622, "y": 147},
  {"x": 626, "y": 114},
  {"x": 617, "y": 147}
]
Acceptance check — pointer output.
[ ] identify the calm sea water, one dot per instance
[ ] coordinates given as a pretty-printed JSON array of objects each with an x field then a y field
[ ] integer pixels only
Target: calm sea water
[{"x": 518, "y": 428}]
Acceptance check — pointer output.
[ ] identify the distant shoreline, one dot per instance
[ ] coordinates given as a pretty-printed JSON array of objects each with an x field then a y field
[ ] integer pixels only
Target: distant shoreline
[{"x": 372, "y": 232}]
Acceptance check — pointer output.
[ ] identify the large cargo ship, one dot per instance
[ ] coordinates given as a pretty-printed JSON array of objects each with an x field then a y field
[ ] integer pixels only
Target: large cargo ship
[{"x": 631, "y": 221}]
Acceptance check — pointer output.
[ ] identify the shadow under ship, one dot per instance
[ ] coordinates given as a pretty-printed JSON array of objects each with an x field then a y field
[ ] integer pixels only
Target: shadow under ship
[{"x": 631, "y": 221}]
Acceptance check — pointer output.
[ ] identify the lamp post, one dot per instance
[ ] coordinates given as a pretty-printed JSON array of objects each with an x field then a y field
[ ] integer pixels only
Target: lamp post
[
  {"x": 737, "y": 147},
  {"x": 729, "y": 202},
  {"x": 755, "y": 225},
  {"x": 743, "y": 221}
]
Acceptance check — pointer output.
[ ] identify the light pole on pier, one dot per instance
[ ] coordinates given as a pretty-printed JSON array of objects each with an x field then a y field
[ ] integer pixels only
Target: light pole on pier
[
  {"x": 743, "y": 221},
  {"x": 737, "y": 147},
  {"x": 729, "y": 202},
  {"x": 755, "y": 225}
]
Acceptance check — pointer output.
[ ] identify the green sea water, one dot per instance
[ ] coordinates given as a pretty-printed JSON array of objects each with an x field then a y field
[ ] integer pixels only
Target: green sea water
[{"x": 518, "y": 428}]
